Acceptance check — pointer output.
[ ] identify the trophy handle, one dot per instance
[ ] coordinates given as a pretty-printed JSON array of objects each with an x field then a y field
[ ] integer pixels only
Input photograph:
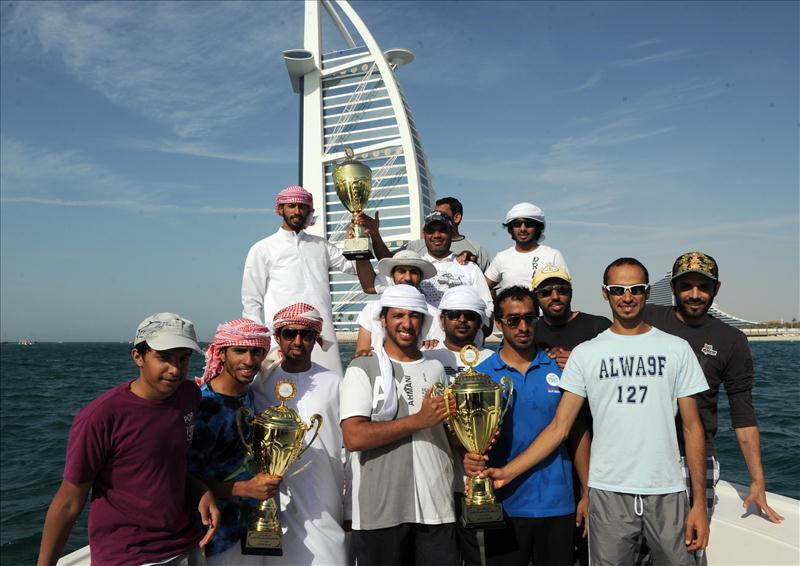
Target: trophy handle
[
  {"x": 439, "y": 390},
  {"x": 314, "y": 419},
  {"x": 239, "y": 413},
  {"x": 508, "y": 388}
]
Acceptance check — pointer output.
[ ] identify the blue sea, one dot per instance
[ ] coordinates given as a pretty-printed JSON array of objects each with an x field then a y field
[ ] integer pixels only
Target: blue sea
[{"x": 42, "y": 387}]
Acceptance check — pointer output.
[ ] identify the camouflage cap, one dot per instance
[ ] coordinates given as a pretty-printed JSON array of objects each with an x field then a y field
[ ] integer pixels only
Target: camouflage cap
[{"x": 695, "y": 262}]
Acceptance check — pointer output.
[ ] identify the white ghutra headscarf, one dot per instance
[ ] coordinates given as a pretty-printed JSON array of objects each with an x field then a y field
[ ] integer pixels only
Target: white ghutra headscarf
[
  {"x": 465, "y": 298},
  {"x": 401, "y": 297}
]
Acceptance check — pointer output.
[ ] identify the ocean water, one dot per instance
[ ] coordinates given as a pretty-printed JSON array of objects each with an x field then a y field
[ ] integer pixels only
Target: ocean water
[{"x": 44, "y": 385}]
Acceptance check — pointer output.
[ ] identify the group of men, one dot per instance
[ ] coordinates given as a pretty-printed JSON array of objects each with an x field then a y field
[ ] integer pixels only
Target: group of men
[{"x": 168, "y": 474}]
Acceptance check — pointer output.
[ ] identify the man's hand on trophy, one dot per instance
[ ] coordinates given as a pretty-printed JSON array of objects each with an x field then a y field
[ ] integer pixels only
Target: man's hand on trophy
[
  {"x": 499, "y": 476},
  {"x": 433, "y": 410},
  {"x": 474, "y": 463},
  {"x": 262, "y": 486},
  {"x": 371, "y": 225}
]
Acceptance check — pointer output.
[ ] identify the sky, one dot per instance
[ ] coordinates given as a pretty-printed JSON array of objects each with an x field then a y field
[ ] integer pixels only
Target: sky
[{"x": 143, "y": 143}]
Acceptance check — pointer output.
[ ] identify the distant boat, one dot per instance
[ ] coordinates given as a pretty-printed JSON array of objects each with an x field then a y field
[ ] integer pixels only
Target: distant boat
[{"x": 26, "y": 342}]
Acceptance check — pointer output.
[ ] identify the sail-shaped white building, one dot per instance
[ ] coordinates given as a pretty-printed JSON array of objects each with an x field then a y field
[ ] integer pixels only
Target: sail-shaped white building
[{"x": 350, "y": 96}]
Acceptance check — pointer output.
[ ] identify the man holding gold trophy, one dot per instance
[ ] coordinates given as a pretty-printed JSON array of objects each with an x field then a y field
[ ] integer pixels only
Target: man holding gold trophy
[
  {"x": 463, "y": 314},
  {"x": 539, "y": 505},
  {"x": 311, "y": 492},
  {"x": 217, "y": 454},
  {"x": 402, "y": 484}
]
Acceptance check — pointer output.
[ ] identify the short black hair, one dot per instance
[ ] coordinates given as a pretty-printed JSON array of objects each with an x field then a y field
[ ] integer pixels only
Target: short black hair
[
  {"x": 626, "y": 261},
  {"x": 453, "y": 203},
  {"x": 142, "y": 348},
  {"x": 517, "y": 293}
]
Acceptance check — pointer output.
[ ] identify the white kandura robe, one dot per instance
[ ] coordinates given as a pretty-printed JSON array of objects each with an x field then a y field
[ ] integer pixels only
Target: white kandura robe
[
  {"x": 287, "y": 268},
  {"x": 311, "y": 498}
]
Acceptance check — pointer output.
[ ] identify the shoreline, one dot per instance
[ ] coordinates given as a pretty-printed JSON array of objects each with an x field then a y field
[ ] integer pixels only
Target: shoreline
[{"x": 349, "y": 337}]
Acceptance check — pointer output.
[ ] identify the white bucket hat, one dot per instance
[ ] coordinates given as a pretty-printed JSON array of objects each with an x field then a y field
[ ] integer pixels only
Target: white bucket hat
[{"x": 409, "y": 258}]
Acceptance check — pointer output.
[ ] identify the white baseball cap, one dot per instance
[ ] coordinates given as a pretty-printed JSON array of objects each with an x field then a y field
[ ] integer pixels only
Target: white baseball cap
[{"x": 165, "y": 331}]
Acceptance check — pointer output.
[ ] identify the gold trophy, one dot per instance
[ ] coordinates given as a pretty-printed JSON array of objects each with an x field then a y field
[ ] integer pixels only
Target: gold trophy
[
  {"x": 277, "y": 435},
  {"x": 479, "y": 410},
  {"x": 353, "y": 182}
]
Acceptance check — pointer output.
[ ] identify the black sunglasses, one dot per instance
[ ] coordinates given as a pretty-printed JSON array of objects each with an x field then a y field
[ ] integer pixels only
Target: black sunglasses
[
  {"x": 432, "y": 228},
  {"x": 527, "y": 222},
  {"x": 547, "y": 290},
  {"x": 513, "y": 320},
  {"x": 291, "y": 333},
  {"x": 470, "y": 316},
  {"x": 619, "y": 290}
]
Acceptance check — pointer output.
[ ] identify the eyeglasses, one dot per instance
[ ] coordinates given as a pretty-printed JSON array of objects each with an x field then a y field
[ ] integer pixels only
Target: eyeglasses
[
  {"x": 513, "y": 320},
  {"x": 619, "y": 290},
  {"x": 470, "y": 316},
  {"x": 291, "y": 333},
  {"x": 546, "y": 291},
  {"x": 527, "y": 222}
]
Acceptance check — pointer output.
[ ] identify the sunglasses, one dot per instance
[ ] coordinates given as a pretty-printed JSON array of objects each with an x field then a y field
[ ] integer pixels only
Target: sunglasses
[
  {"x": 512, "y": 321},
  {"x": 619, "y": 290},
  {"x": 543, "y": 292},
  {"x": 469, "y": 316},
  {"x": 291, "y": 333},
  {"x": 527, "y": 222},
  {"x": 433, "y": 228}
]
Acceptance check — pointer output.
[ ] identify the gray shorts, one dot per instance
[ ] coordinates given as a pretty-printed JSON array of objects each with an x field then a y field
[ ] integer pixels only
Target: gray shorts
[{"x": 617, "y": 521}]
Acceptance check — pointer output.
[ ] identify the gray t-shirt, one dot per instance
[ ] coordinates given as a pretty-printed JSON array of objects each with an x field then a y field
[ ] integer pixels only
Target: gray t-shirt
[{"x": 409, "y": 480}]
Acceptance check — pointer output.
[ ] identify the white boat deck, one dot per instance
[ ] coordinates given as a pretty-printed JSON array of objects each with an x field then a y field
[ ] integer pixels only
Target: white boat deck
[{"x": 738, "y": 536}]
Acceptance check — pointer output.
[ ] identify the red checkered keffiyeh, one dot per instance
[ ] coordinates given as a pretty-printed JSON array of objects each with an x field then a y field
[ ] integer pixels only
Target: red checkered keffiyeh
[
  {"x": 296, "y": 194},
  {"x": 299, "y": 314},
  {"x": 239, "y": 332}
]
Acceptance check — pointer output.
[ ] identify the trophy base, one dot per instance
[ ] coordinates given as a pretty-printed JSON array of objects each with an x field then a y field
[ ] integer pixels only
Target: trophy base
[
  {"x": 357, "y": 248},
  {"x": 262, "y": 543},
  {"x": 487, "y": 516}
]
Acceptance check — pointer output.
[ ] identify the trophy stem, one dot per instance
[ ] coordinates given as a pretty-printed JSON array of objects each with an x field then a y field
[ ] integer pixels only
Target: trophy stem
[
  {"x": 264, "y": 532},
  {"x": 480, "y": 492},
  {"x": 358, "y": 230}
]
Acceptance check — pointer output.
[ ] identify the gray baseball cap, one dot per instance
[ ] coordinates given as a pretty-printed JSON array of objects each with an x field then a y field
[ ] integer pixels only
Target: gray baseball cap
[{"x": 165, "y": 331}]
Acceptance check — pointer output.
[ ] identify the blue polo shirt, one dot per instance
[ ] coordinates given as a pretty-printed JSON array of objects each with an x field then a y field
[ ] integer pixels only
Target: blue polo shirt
[{"x": 546, "y": 489}]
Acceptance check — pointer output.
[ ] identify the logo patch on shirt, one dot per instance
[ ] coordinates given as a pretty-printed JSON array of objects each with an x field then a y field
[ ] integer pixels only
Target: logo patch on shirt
[
  {"x": 552, "y": 379},
  {"x": 708, "y": 350}
]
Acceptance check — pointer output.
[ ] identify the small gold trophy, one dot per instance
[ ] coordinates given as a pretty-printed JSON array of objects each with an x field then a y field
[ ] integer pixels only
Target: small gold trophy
[
  {"x": 353, "y": 181},
  {"x": 478, "y": 402},
  {"x": 277, "y": 435}
]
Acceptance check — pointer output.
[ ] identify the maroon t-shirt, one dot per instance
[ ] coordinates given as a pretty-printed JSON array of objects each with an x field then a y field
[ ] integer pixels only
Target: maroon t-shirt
[{"x": 133, "y": 452}]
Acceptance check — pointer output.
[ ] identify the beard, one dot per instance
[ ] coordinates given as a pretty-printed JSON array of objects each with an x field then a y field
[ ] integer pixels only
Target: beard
[{"x": 686, "y": 313}]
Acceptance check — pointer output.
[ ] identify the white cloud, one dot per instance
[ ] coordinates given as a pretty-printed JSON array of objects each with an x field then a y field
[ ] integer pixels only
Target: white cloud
[
  {"x": 70, "y": 179},
  {"x": 660, "y": 57},
  {"x": 591, "y": 82},
  {"x": 265, "y": 156},
  {"x": 197, "y": 67}
]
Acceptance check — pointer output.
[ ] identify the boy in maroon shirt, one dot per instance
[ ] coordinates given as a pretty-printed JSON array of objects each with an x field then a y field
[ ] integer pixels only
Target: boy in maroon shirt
[{"x": 129, "y": 448}]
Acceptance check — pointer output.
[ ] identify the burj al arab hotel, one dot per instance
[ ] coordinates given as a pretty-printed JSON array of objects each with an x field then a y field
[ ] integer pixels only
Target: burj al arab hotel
[{"x": 350, "y": 96}]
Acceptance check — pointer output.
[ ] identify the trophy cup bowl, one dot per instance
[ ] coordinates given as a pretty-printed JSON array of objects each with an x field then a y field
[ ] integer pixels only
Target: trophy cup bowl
[
  {"x": 353, "y": 181},
  {"x": 275, "y": 441},
  {"x": 479, "y": 410}
]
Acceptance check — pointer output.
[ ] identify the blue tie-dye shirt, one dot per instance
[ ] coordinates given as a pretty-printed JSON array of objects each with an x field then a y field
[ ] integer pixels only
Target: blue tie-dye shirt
[{"x": 216, "y": 453}]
